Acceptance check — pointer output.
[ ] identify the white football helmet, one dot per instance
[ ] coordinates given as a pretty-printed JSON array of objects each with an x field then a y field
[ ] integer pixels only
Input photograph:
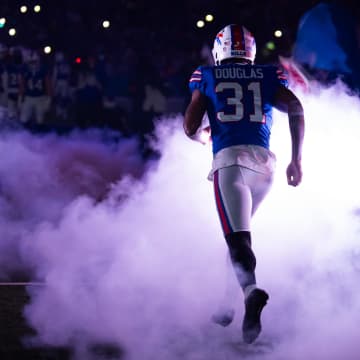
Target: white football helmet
[{"x": 234, "y": 41}]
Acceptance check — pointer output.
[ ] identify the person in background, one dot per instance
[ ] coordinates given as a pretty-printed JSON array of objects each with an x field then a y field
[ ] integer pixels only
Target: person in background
[
  {"x": 3, "y": 62},
  {"x": 12, "y": 75},
  {"x": 238, "y": 98},
  {"x": 35, "y": 90},
  {"x": 61, "y": 80},
  {"x": 89, "y": 97}
]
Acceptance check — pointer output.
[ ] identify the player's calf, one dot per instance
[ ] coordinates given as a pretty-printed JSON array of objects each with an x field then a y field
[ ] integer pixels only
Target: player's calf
[{"x": 242, "y": 257}]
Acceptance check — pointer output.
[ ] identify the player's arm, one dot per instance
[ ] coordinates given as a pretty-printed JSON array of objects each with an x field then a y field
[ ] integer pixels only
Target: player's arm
[
  {"x": 286, "y": 101},
  {"x": 193, "y": 118}
]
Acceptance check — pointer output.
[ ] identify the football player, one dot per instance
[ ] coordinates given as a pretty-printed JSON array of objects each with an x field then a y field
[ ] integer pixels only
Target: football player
[
  {"x": 238, "y": 98},
  {"x": 3, "y": 62},
  {"x": 61, "y": 82},
  {"x": 35, "y": 89},
  {"x": 12, "y": 75}
]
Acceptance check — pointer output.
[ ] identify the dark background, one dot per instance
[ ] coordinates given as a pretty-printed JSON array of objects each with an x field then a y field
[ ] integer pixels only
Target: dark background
[{"x": 75, "y": 26}]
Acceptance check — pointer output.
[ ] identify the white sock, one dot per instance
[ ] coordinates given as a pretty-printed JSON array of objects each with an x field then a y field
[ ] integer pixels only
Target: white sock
[{"x": 249, "y": 289}]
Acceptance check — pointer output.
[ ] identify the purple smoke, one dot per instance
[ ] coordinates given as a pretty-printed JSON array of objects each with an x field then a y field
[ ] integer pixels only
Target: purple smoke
[{"x": 135, "y": 256}]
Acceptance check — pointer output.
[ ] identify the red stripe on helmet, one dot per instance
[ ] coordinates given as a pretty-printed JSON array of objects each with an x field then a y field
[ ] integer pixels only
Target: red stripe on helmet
[{"x": 237, "y": 38}]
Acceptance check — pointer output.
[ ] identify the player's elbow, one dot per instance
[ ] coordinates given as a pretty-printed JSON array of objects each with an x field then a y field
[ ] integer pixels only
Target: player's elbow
[{"x": 295, "y": 108}]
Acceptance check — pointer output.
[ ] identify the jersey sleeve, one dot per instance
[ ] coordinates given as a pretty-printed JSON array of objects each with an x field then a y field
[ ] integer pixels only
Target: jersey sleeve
[{"x": 197, "y": 80}]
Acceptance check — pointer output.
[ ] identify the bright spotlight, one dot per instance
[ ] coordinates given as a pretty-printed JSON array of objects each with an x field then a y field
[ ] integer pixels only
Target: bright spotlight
[
  {"x": 278, "y": 33},
  {"x": 37, "y": 8},
  {"x": 106, "y": 24},
  {"x": 23, "y": 9},
  {"x": 12, "y": 32},
  {"x": 47, "y": 49},
  {"x": 200, "y": 24},
  {"x": 2, "y": 22},
  {"x": 209, "y": 18}
]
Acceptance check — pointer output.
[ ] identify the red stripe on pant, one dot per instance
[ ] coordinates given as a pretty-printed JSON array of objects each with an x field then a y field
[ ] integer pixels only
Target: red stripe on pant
[{"x": 220, "y": 206}]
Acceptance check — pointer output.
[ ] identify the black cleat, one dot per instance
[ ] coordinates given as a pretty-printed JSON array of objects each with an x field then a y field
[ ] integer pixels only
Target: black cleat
[
  {"x": 224, "y": 317},
  {"x": 254, "y": 304}
]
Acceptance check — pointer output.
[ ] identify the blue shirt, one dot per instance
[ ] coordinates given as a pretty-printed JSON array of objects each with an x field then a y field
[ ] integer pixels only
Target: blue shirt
[{"x": 239, "y": 102}]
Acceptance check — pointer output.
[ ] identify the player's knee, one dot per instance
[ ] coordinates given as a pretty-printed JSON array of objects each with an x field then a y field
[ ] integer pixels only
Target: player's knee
[{"x": 239, "y": 244}]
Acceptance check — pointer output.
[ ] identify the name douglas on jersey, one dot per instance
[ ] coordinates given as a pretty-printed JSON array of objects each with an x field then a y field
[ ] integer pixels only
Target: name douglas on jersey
[{"x": 238, "y": 73}]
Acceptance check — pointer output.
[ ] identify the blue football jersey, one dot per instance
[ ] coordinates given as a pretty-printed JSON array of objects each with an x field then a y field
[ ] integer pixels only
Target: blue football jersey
[
  {"x": 239, "y": 102},
  {"x": 13, "y": 75},
  {"x": 35, "y": 81}
]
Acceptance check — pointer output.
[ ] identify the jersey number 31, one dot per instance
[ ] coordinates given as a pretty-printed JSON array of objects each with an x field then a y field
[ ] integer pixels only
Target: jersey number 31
[{"x": 236, "y": 102}]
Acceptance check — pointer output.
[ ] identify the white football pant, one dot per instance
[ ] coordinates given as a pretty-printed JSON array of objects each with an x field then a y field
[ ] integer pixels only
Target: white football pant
[{"x": 238, "y": 193}]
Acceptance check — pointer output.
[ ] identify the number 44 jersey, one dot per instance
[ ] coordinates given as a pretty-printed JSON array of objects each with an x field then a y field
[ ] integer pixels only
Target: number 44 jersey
[{"x": 239, "y": 102}]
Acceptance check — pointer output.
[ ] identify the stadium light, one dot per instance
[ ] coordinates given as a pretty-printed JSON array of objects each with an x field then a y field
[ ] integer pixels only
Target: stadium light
[
  {"x": 200, "y": 24},
  {"x": 106, "y": 24},
  {"x": 23, "y": 9},
  {"x": 270, "y": 45},
  {"x": 47, "y": 49},
  {"x": 78, "y": 60},
  {"x": 2, "y": 22},
  {"x": 209, "y": 18},
  {"x": 37, "y": 8},
  {"x": 12, "y": 32},
  {"x": 278, "y": 33}
]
